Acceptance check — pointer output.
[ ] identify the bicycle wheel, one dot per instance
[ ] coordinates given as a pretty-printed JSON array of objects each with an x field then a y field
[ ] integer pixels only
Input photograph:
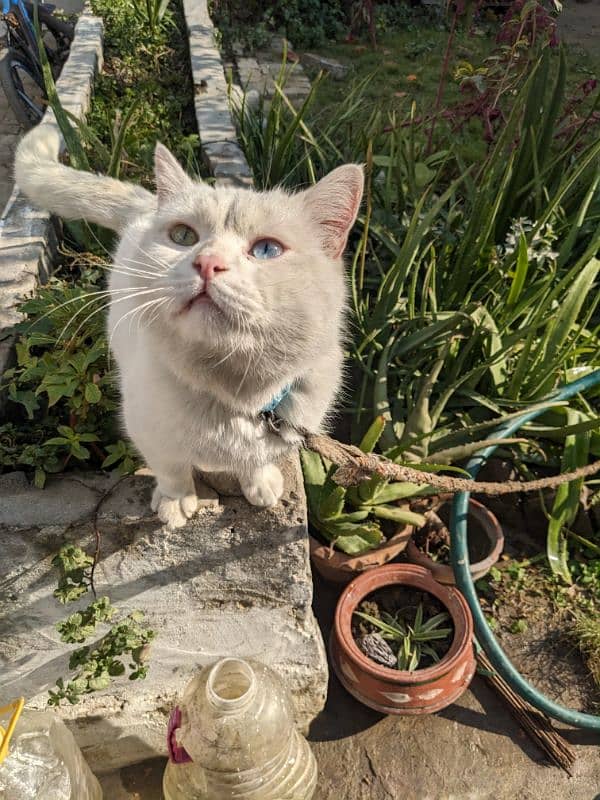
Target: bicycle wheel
[{"x": 23, "y": 87}]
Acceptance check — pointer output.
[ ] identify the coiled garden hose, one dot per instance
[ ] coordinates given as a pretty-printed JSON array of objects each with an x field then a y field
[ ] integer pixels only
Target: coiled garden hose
[{"x": 460, "y": 564}]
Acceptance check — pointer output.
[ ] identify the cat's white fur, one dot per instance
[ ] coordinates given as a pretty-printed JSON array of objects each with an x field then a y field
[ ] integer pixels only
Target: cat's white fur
[{"x": 195, "y": 377}]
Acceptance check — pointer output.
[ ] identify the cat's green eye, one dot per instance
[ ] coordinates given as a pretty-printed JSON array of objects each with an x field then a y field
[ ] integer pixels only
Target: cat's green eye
[{"x": 183, "y": 235}]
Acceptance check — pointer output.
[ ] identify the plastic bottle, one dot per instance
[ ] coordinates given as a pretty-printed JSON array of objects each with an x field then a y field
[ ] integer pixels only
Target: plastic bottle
[
  {"x": 237, "y": 739},
  {"x": 44, "y": 762}
]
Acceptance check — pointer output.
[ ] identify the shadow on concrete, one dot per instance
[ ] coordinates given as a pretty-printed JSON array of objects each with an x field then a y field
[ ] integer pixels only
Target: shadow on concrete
[{"x": 342, "y": 716}]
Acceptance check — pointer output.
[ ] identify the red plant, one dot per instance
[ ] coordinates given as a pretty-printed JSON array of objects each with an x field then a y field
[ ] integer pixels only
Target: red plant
[{"x": 527, "y": 20}]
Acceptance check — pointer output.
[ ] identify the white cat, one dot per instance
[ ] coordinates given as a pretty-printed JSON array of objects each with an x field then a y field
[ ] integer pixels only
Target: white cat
[{"x": 223, "y": 300}]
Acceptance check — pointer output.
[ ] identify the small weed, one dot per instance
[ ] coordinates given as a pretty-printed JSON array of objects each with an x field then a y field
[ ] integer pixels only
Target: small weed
[
  {"x": 95, "y": 665},
  {"x": 518, "y": 626},
  {"x": 587, "y": 633}
]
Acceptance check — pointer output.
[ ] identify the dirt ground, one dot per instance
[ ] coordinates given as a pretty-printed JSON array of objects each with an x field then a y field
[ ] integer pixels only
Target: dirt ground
[{"x": 579, "y": 24}]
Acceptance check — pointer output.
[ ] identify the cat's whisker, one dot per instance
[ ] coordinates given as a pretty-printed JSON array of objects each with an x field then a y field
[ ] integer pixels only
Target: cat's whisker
[
  {"x": 142, "y": 265},
  {"x": 104, "y": 294},
  {"x": 137, "y": 270},
  {"x": 165, "y": 266},
  {"x": 124, "y": 270},
  {"x": 146, "y": 311},
  {"x": 154, "y": 316},
  {"x": 129, "y": 313},
  {"x": 130, "y": 296},
  {"x": 54, "y": 309}
]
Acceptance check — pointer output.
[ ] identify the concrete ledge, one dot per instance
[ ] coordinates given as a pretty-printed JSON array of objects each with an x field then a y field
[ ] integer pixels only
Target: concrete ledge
[
  {"x": 235, "y": 580},
  {"x": 28, "y": 236},
  {"x": 217, "y": 131}
]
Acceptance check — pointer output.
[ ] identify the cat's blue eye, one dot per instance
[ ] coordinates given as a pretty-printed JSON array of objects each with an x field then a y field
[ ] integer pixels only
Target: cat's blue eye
[{"x": 266, "y": 248}]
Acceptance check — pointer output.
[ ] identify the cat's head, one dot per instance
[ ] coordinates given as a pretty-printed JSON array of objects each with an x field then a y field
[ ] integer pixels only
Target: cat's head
[{"x": 234, "y": 265}]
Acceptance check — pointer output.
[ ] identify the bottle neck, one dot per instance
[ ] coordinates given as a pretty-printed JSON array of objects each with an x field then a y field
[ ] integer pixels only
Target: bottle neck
[{"x": 231, "y": 685}]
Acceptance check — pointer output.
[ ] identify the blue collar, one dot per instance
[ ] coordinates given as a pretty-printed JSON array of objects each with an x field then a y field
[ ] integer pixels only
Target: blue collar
[{"x": 276, "y": 400}]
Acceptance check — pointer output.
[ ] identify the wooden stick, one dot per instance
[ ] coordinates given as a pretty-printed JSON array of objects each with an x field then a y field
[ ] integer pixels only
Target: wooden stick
[
  {"x": 356, "y": 466},
  {"x": 535, "y": 724}
]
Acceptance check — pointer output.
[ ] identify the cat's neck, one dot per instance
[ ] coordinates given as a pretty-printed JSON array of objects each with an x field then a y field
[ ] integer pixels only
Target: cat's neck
[{"x": 244, "y": 380}]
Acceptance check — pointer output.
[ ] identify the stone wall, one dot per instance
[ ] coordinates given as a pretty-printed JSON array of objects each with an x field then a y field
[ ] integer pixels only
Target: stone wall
[
  {"x": 221, "y": 150},
  {"x": 28, "y": 236}
]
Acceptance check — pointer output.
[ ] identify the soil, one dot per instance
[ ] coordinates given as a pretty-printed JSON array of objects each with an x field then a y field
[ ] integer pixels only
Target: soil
[
  {"x": 433, "y": 539},
  {"x": 402, "y": 601},
  {"x": 531, "y": 626}
]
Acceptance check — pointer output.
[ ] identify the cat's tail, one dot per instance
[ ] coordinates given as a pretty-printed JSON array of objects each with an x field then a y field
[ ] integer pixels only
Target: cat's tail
[{"x": 71, "y": 193}]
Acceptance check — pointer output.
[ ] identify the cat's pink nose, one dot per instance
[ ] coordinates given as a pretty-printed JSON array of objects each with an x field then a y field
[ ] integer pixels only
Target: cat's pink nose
[{"x": 208, "y": 265}]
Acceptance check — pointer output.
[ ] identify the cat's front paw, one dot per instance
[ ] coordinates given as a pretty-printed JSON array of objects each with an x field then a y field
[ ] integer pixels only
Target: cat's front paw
[
  {"x": 264, "y": 487},
  {"x": 174, "y": 511}
]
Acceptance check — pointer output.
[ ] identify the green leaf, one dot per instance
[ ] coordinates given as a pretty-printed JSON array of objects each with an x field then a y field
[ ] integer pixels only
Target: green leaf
[
  {"x": 520, "y": 273},
  {"x": 111, "y": 459},
  {"x": 39, "y": 480},
  {"x": 92, "y": 393},
  {"x": 399, "y": 491},
  {"x": 354, "y": 539},
  {"x": 332, "y": 503},
  {"x": 397, "y": 514},
  {"x": 385, "y": 627},
  {"x": 566, "y": 503},
  {"x": 79, "y": 451},
  {"x": 368, "y": 490},
  {"x": 373, "y": 435},
  {"x": 64, "y": 430},
  {"x": 99, "y": 682},
  {"x": 87, "y": 437}
]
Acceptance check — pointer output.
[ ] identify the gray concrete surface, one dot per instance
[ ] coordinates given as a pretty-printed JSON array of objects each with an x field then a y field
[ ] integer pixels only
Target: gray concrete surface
[
  {"x": 216, "y": 129},
  {"x": 234, "y": 581}
]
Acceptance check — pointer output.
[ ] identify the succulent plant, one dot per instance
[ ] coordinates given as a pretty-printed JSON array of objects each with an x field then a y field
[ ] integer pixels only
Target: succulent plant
[
  {"x": 414, "y": 639},
  {"x": 349, "y": 518}
]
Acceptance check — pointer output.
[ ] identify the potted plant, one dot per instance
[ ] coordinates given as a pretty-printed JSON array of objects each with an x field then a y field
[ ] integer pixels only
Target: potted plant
[
  {"x": 360, "y": 527},
  {"x": 401, "y": 642},
  {"x": 429, "y": 546}
]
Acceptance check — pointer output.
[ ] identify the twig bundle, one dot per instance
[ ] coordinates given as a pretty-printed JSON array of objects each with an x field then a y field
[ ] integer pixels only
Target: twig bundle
[{"x": 535, "y": 724}]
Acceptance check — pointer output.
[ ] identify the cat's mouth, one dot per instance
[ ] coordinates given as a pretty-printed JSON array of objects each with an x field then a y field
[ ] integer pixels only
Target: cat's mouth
[{"x": 201, "y": 298}]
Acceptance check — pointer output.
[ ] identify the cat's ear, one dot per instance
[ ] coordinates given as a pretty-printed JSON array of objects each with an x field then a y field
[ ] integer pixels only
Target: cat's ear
[
  {"x": 169, "y": 176},
  {"x": 333, "y": 203}
]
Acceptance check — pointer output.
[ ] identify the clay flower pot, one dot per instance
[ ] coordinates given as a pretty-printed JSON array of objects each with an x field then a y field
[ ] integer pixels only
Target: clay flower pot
[
  {"x": 338, "y": 567},
  {"x": 485, "y": 534},
  {"x": 393, "y": 691}
]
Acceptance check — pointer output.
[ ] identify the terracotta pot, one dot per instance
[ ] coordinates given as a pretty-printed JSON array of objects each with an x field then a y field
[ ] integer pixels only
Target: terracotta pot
[
  {"x": 338, "y": 567},
  {"x": 488, "y": 530},
  {"x": 392, "y": 691}
]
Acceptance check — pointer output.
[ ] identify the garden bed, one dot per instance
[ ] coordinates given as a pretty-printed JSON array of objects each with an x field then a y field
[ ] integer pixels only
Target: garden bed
[{"x": 473, "y": 267}]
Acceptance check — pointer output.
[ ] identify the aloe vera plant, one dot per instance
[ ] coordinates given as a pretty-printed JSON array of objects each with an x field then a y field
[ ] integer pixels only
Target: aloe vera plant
[
  {"x": 413, "y": 639},
  {"x": 350, "y": 518}
]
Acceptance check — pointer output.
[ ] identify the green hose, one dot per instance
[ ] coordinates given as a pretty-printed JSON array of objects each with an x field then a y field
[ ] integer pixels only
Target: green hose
[{"x": 460, "y": 564}]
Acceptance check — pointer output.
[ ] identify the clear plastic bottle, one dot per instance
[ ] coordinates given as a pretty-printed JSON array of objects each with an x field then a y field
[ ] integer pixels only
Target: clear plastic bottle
[
  {"x": 238, "y": 736},
  {"x": 45, "y": 763}
]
